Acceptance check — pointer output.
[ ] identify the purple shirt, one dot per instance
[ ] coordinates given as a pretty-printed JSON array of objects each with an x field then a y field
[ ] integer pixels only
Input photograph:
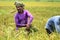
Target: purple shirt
[{"x": 22, "y": 19}]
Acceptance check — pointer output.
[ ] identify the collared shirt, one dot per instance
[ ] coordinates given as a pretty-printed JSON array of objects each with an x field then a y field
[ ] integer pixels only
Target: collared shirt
[{"x": 55, "y": 22}]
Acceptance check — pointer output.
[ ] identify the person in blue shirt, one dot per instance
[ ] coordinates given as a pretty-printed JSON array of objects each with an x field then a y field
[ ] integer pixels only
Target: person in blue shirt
[{"x": 53, "y": 24}]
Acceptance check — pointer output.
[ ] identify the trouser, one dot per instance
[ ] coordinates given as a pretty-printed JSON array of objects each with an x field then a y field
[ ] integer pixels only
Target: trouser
[
  {"x": 49, "y": 31},
  {"x": 50, "y": 28}
]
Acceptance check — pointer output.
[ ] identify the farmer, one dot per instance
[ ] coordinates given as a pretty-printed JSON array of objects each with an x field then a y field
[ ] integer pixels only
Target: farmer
[
  {"x": 23, "y": 18},
  {"x": 53, "y": 24}
]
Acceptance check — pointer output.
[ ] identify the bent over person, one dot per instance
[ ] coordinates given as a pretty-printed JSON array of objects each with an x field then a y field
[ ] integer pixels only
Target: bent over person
[
  {"x": 53, "y": 24},
  {"x": 23, "y": 18}
]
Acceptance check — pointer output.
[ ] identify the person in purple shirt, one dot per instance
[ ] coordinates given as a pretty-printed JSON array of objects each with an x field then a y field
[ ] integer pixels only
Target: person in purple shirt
[{"x": 23, "y": 18}]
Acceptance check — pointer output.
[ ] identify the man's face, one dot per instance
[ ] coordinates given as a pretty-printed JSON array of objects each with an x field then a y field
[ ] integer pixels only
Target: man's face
[{"x": 19, "y": 8}]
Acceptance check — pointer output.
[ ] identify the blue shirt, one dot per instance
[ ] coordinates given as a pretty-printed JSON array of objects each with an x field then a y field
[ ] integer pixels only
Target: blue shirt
[{"x": 55, "y": 22}]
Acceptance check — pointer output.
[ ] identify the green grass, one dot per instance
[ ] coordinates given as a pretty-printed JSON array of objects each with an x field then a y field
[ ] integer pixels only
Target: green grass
[
  {"x": 32, "y": 4},
  {"x": 41, "y": 15},
  {"x": 35, "y": 0}
]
